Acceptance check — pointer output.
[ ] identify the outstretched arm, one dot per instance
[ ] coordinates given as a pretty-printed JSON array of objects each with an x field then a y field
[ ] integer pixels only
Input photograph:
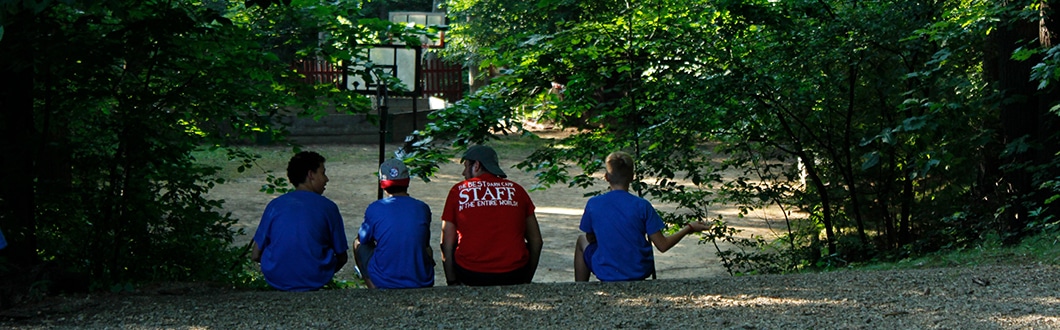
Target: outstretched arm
[{"x": 663, "y": 243}]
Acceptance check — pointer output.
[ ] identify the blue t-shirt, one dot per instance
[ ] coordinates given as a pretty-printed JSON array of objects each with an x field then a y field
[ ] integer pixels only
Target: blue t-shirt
[
  {"x": 3, "y": 241},
  {"x": 400, "y": 228},
  {"x": 621, "y": 222},
  {"x": 299, "y": 235}
]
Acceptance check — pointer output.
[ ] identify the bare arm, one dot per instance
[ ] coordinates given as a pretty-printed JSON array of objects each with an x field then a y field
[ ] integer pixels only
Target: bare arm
[
  {"x": 357, "y": 256},
  {"x": 533, "y": 242},
  {"x": 448, "y": 248},
  {"x": 663, "y": 243},
  {"x": 342, "y": 258},
  {"x": 255, "y": 252},
  {"x": 361, "y": 264}
]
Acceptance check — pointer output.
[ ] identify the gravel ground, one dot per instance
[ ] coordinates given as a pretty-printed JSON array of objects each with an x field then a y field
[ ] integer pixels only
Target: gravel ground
[{"x": 980, "y": 297}]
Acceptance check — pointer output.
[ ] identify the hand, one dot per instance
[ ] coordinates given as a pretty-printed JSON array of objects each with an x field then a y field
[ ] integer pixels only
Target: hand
[{"x": 699, "y": 226}]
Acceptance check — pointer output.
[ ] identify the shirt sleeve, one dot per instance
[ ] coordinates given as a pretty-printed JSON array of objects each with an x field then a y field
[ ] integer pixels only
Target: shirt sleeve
[
  {"x": 338, "y": 231},
  {"x": 587, "y": 219},
  {"x": 427, "y": 235},
  {"x": 451, "y": 204},
  {"x": 652, "y": 222},
  {"x": 261, "y": 234},
  {"x": 530, "y": 207},
  {"x": 365, "y": 234}
]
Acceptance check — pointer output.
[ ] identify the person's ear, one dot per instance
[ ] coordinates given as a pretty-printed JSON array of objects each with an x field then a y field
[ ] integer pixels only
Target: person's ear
[{"x": 607, "y": 176}]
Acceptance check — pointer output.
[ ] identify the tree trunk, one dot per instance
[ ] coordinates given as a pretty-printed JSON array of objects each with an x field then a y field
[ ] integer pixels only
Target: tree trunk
[
  {"x": 1049, "y": 123},
  {"x": 1025, "y": 116},
  {"x": 17, "y": 203},
  {"x": 905, "y": 225},
  {"x": 818, "y": 182},
  {"x": 847, "y": 169}
]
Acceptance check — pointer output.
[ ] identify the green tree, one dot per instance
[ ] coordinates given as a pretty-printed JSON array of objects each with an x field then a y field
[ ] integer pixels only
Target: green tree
[
  {"x": 1025, "y": 35},
  {"x": 109, "y": 100},
  {"x": 888, "y": 109}
]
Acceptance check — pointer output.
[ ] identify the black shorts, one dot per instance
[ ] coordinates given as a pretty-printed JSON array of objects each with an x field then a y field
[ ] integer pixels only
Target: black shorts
[{"x": 471, "y": 278}]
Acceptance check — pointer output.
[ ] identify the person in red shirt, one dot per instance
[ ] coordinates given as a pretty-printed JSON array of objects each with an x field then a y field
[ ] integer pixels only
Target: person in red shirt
[{"x": 490, "y": 234}]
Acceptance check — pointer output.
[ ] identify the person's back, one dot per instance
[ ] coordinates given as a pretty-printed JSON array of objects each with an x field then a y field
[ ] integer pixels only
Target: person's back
[
  {"x": 620, "y": 229},
  {"x": 490, "y": 235},
  {"x": 301, "y": 240},
  {"x": 492, "y": 223},
  {"x": 297, "y": 228},
  {"x": 393, "y": 243},
  {"x": 621, "y": 222},
  {"x": 400, "y": 227}
]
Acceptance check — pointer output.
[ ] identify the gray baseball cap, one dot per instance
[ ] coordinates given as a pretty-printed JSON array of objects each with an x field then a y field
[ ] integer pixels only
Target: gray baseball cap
[
  {"x": 485, "y": 155},
  {"x": 393, "y": 172}
]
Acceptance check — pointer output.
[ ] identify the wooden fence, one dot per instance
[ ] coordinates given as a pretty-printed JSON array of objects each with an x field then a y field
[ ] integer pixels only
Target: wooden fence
[
  {"x": 443, "y": 80},
  {"x": 438, "y": 78},
  {"x": 319, "y": 72}
]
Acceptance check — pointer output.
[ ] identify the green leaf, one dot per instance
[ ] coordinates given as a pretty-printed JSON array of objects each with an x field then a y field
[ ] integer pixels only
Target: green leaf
[
  {"x": 870, "y": 160},
  {"x": 913, "y": 123},
  {"x": 1023, "y": 54},
  {"x": 1051, "y": 199}
]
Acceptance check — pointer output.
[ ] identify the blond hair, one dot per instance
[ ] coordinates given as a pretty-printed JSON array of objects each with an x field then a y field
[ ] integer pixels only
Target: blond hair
[{"x": 620, "y": 167}]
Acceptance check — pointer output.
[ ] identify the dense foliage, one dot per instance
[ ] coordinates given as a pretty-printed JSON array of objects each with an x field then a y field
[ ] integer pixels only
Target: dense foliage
[
  {"x": 883, "y": 129},
  {"x": 108, "y": 99}
]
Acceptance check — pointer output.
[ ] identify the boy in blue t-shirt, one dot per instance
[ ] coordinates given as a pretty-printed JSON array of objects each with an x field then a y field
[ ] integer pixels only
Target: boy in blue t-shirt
[
  {"x": 392, "y": 248},
  {"x": 301, "y": 241},
  {"x": 620, "y": 229}
]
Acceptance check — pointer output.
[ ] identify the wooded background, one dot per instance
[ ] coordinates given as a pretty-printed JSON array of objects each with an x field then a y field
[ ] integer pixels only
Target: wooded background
[{"x": 915, "y": 126}]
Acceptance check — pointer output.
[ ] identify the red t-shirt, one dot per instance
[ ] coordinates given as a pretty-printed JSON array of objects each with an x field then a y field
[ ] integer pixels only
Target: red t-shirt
[{"x": 490, "y": 217}]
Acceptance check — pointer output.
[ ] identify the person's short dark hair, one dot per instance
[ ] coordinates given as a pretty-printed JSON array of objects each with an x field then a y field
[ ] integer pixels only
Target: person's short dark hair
[
  {"x": 396, "y": 189},
  {"x": 301, "y": 164},
  {"x": 620, "y": 167}
]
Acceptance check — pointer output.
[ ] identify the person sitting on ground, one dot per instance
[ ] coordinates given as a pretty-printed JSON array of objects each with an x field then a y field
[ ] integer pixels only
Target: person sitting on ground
[
  {"x": 392, "y": 249},
  {"x": 490, "y": 235},
  {"x": 618, "y": 226},
  {"x": 301, "y": 240}
]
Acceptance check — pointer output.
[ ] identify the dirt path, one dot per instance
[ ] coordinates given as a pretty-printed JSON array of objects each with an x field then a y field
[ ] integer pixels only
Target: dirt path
[
  {"x": 1008, "y": 296},
  {"x": 693, "y": 291},
  {"x": 352, "y": 186}
]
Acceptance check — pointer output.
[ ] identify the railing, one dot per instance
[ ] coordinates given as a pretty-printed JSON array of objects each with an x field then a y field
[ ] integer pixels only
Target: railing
[
  {"x": 319, "y": 72},
  {"x": 442, "y": 79},
  {"x": 439, "y": 78}
]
